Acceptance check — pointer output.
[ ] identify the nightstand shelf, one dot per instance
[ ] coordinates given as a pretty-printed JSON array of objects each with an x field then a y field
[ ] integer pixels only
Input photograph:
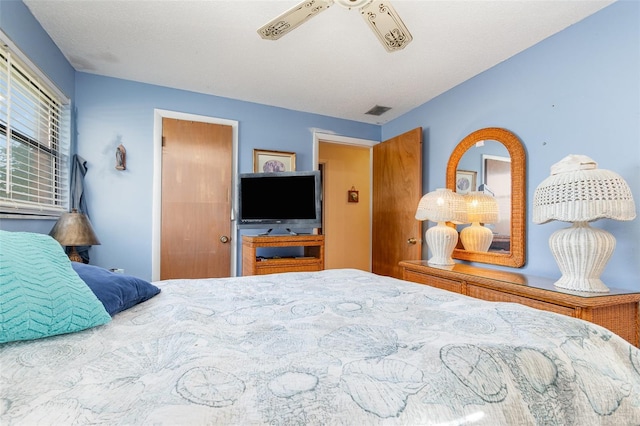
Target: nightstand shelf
[{"x": 311, "y": 260}]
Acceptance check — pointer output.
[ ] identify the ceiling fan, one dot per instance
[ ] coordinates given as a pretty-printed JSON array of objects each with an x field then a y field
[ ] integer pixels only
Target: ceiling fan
[{"x": 379, "y": 14}]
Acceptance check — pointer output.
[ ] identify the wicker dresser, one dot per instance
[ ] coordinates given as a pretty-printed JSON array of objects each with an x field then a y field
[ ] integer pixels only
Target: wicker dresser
[{"x": 616, "y": 310}]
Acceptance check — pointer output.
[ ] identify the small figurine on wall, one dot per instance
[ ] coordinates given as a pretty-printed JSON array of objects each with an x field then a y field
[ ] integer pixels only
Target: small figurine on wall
[{"x": 121, "y": 158}]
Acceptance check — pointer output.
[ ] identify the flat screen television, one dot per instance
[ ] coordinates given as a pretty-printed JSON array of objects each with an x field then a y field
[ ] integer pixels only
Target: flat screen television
[{"x": 281, "y": 200}]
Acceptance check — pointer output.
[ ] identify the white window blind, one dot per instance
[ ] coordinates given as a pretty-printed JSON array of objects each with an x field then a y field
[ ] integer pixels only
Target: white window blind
[{"x": 34, "y": 140}]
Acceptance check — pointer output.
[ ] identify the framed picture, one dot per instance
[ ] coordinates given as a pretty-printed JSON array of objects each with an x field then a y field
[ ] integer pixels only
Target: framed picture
[
  {"x": 353, "y": 195},
  {"x": 273, "y": 161},
  {"x": 465, "y": 181}
]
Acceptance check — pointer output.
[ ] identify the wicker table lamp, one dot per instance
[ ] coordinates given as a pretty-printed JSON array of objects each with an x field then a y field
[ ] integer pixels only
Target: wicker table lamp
[
  {"x": 481, "y": 208},
  {"x": 578, "y": 192},
  {"x": 442, "y": 205}
]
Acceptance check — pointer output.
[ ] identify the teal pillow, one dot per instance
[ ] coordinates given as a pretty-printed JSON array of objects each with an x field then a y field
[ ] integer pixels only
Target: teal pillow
[{"x": 40, "y": 293}]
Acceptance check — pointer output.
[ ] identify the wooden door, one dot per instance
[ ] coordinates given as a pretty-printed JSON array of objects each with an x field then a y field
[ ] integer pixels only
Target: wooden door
[
  {"x": 196, "y": 199},
  {"x": 397, "y": 189}
]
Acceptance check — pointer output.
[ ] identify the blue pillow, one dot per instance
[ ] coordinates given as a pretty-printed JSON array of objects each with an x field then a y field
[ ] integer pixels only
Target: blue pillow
[
  {"x": 40, "y": 294},
  {"x": 117, "y": 292}
]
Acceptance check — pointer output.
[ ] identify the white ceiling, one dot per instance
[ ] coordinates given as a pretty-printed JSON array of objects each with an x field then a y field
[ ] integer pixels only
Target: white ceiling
[{"x": 331, "y": 65}]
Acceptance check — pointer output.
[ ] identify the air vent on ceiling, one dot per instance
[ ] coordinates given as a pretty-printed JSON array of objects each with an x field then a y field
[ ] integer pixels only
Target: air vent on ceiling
[{"x": 378, "y": 110}]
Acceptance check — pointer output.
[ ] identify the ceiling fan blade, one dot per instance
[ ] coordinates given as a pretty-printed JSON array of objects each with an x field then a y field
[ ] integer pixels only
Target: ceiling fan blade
[
  {"x": 293, "y": 18},
  {"x": 386, "y": 24}
]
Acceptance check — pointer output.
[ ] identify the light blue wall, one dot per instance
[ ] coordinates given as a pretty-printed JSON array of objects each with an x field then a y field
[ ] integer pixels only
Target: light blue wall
[
  {"x": 578, "y": 92},
  {"x": 113, "y": 111}
]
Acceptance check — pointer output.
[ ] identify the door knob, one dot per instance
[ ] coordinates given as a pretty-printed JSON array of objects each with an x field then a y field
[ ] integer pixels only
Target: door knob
[
  {"x": 411, "y": 241},
  {"x": 224, "y": 239}
]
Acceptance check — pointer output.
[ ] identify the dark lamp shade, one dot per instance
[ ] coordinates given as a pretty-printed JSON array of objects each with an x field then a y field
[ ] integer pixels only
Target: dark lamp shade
[{"x": 74, "y": 229}]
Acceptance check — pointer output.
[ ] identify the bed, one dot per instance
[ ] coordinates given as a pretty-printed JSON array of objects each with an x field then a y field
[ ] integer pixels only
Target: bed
[{"x": 339, "y": 347}]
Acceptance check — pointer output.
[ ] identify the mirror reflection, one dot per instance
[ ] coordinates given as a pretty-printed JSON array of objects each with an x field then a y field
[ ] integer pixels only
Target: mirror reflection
[{"x": 485, "y": 169}]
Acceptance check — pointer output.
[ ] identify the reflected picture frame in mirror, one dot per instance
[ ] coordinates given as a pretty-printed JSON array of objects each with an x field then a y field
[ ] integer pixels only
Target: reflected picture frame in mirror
[{"x": 516, "y": 255}]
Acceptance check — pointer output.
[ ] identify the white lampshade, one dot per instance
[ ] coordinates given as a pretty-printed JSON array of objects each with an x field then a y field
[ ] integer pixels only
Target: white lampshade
[
  {"x": 441, "y": 205},
  {"x": 481, "y": 208},
  {"x": 578, "y": 192}
]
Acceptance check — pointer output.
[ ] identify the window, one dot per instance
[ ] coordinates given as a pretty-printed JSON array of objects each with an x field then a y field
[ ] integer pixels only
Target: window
[{"x": 34, "y": 140}]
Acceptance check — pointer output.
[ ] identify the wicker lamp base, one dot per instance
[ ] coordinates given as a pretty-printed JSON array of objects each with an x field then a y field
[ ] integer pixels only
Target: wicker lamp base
[
  {"x": 476, "y": 237},
  {"x": 441, "y": 240},
  {"x": 582, "y": 252}
]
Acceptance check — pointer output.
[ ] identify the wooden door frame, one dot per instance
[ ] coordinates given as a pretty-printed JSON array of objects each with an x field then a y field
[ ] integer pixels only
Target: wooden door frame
[
  {"x": 346, "y": 140},
  {"x": 156, "y": 215}
]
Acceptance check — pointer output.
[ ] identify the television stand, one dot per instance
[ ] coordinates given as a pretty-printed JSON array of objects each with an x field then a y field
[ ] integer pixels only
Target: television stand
[
  {"x": 311, "y": 260},
  {"x": 271, "y": 229}
]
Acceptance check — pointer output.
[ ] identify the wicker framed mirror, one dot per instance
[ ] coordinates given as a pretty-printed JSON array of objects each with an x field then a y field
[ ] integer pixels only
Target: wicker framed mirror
[{"x": 512, "y": 253}]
